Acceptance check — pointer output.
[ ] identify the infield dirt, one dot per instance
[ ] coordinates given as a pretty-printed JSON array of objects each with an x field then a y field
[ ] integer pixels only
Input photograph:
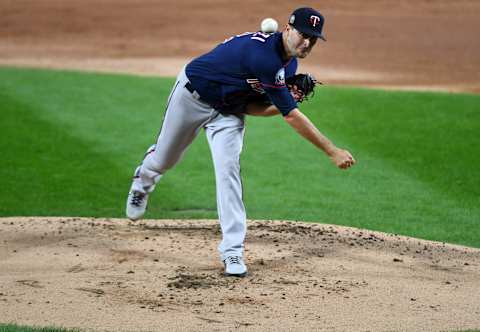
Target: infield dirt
[
  {"x": 158, "y": 275},
  {"x": 408, "y": 44}
]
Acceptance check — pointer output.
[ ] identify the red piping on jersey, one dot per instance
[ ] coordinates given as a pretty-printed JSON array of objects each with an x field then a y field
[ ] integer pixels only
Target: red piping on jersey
[
  {"x": 284, "y": 66},
  {"x": 274, "y": 86}
]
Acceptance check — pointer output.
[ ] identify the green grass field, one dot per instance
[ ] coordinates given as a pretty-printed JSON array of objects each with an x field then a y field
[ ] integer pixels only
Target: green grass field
[
  {"x": 70, "y": 142},
  {"x": 19, "y": 328}
]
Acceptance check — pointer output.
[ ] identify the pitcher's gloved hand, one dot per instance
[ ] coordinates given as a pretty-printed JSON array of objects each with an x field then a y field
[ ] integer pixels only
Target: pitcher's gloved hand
[{"x": 302, "y": 86}]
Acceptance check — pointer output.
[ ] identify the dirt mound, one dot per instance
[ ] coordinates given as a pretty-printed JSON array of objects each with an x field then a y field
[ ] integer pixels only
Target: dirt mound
[{"x": 112, "y": 274}]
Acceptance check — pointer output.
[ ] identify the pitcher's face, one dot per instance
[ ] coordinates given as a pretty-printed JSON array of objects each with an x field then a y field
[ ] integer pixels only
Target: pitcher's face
[{"x": 298, "y": 44}]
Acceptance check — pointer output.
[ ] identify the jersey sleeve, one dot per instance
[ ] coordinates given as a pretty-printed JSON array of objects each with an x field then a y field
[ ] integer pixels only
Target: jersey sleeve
[
  {"x": 291, "y": 68},
  {"x": 272, "y": 77}
]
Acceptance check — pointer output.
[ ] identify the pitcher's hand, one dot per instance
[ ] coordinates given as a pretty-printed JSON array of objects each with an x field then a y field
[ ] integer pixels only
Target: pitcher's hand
[{"x": 342, "y": 158}]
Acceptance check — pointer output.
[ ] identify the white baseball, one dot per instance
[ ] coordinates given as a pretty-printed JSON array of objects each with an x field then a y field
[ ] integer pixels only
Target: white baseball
[{"x": 269, "y": 25}]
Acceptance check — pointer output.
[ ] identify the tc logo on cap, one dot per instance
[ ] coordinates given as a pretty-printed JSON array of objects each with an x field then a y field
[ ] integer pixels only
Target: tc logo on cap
[{"x": 315, "y": 20}]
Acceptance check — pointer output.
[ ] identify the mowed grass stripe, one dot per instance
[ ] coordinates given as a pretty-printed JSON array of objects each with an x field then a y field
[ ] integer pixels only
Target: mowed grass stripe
[
  {"x": 48, "y": 171},
  {"x": 415, "y": 152}
]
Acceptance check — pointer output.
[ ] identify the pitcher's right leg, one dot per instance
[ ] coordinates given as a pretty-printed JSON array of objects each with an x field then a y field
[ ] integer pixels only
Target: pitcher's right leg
[{"x": 184, "y": 117}]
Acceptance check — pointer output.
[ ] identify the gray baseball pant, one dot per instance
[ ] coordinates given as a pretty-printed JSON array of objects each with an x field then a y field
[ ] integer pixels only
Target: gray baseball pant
[{"x": 185, "y": 116}]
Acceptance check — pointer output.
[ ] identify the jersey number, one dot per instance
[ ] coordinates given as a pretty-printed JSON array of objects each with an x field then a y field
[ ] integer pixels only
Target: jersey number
[{"x": 260, "y": 36}]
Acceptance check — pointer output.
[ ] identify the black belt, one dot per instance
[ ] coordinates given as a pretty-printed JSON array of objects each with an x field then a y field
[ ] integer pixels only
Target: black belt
[
  {"x": 195, "y": 94},
  {"x": 189, "y": 87}
]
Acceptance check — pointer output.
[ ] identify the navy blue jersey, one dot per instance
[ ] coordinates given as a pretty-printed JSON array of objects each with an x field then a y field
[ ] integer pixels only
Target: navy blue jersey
[{"x": 246, "y": 63}]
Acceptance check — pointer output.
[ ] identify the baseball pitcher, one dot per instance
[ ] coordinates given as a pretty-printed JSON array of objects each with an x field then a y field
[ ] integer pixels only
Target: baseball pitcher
[{"x": 248, "y": 74}]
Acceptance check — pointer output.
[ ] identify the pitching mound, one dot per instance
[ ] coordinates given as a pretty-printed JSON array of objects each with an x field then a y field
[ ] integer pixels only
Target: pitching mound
[{"x": 112, "y": 274}]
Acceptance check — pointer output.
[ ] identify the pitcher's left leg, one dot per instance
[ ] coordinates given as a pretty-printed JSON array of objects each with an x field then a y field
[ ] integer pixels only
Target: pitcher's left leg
[{"x": 225, "y": 137}]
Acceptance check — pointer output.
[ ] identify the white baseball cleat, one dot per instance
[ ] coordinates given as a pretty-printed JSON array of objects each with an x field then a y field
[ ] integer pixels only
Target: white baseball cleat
[
  {"x": 235, "y": 267},
  {"x": 136, "y": 204}
]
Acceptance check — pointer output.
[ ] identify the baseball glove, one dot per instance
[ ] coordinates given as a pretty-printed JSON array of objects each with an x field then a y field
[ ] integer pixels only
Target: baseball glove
[{"x": 302, "y": 86}]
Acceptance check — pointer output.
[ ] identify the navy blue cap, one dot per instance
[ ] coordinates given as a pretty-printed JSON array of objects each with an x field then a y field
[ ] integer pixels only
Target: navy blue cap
[{"x": 308, "y": 21}]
